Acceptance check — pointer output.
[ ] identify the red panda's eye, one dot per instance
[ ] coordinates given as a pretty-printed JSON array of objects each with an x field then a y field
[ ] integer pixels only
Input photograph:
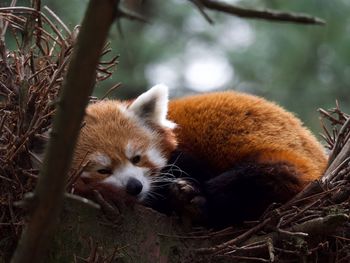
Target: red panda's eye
[
  {"x": 136, "y": 159},
  {"x": 104, "y": 171}
]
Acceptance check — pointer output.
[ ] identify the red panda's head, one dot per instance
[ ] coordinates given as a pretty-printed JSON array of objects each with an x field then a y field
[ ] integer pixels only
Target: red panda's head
[{"x": 123, "y": 144}]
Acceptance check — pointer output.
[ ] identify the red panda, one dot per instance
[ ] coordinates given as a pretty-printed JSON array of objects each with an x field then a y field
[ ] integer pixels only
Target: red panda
[{"x": 234, "y": 152}]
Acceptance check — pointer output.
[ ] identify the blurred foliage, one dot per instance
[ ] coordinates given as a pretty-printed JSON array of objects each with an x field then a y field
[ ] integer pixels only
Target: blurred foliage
[{"x": 300, "y": 67}]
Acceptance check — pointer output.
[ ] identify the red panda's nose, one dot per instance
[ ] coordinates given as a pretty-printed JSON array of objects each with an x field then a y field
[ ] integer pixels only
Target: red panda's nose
[{"x": 133, "y": 186}]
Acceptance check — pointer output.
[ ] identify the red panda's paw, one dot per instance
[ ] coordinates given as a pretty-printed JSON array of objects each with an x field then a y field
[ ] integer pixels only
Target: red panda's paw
[
  {"x": 188, "y": 200},
  {"x": 183, "y": 190}
]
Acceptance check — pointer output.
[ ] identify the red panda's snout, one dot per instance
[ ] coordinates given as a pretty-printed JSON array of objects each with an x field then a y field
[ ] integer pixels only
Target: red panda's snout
[{"x": 124, "y": 146}]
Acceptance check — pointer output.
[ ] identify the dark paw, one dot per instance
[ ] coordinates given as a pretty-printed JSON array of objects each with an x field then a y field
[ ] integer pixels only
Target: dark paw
[
  {"x": 183, "y": 190},
  {"x": 188, "y": 200}
]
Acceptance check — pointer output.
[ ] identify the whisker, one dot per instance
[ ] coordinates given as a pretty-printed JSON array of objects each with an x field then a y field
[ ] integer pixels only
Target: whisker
[
  {"x": 191, "y": 179},
  {"x": 162, "y": 185},
  {"x": 163, "y": 174},
  {"x": 162, "y": 179},
  {"x": 152, "y": 196}
]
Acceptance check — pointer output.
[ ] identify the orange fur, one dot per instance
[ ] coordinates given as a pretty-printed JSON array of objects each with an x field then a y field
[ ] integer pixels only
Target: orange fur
[
  {"x": 107, "y": 130},
  {"x": 225, "y": 128}
]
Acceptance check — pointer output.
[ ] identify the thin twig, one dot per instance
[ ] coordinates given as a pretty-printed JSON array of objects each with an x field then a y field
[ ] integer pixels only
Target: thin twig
[
  {"x": 201, "y": 8},
  {"x": 113, "y": 88},
  {"x": 222, "y": 248},
  {"x": 63, "y": 25},
  {"x": 266, "y": 14},
  {"x": 124, "y": 13}
]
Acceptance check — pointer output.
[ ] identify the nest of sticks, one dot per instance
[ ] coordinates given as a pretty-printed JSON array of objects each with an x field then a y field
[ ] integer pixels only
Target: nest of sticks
[
  {"x": 31, "y": 74},
  {"x": 313, "y": 225}
]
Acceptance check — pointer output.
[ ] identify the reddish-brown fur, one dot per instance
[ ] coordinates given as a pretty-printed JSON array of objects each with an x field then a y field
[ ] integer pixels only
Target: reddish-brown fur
[
  {"x": 107, "y": 129},
  {"x": 226, "y": 128}
]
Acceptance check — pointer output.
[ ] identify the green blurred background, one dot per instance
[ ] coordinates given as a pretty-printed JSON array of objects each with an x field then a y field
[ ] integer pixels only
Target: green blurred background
[{"x": 300, "y": 67}]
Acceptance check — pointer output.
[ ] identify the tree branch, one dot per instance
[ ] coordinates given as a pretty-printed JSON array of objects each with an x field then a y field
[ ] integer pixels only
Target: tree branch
[
  {"x": 266, "y": 14},
  {"x": 77, "y": 87}
]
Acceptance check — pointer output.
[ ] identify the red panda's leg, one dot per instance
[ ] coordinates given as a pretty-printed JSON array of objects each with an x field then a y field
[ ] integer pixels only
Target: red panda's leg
[
  {"x": 244, "y": 192},
  {"x": 182, "y": 197},
  {"x": 178, "y": 188},
  {"x": 188, "y": 201}
]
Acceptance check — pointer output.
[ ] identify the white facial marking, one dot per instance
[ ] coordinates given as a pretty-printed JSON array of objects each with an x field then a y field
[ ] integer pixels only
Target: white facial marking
[
  {"x": 120, "y": 178},
  {"x": 85, "y": 174},
  {"x": 155, "y": 156},
  {"x": 101, "y": 159},
  {"x": 131, "y": 151}
]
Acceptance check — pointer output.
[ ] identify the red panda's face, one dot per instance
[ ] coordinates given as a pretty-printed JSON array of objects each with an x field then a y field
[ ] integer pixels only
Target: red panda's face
[{"x": 122, "y": 145}]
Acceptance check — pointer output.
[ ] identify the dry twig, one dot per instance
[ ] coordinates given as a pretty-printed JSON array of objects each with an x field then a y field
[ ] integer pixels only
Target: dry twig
[{"x": 266, "y": 14}]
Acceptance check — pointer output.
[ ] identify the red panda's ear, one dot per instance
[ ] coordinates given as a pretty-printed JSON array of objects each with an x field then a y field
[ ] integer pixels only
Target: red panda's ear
[{"x": 152, "y": 106}]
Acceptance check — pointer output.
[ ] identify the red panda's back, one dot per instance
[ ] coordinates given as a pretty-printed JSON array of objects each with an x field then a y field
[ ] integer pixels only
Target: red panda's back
[{"x": 227, "y": 127}]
